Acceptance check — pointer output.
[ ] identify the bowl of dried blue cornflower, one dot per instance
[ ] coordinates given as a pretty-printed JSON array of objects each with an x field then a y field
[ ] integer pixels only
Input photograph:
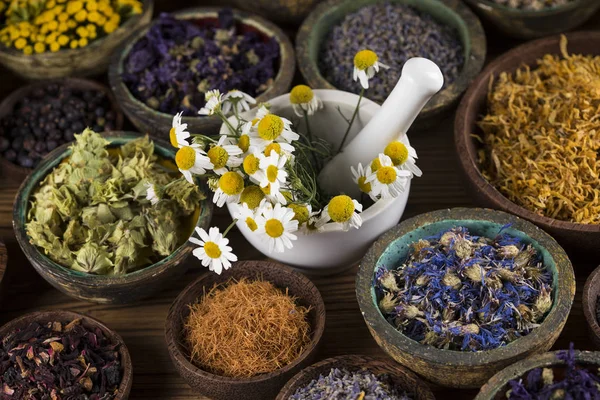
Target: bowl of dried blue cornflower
[{"x": 456, "y": 295}]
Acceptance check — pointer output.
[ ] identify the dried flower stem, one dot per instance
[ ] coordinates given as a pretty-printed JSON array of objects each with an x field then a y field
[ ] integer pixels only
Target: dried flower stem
[{"x": 360, "y": 96}]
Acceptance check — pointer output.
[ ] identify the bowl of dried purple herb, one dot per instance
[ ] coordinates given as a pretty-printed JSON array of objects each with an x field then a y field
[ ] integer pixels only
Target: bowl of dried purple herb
[
  {"x": 215, "y": 48},
  {"x": 332, "y": 34},
  {"x": 51, "y": 354},
  {"x": 355, "y": 377},
  {"x": 563, "y": 374},
  {"x": 591, "y": 305},
  {"x": 456, "y": 295}
]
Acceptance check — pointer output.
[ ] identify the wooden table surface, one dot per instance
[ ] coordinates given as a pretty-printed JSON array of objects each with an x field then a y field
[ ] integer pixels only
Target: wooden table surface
[{"x": 142, "y": 324}]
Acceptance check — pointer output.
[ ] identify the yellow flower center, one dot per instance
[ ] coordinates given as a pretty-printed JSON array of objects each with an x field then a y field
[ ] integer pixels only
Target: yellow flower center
[
  {"x": 212, "y": 250},
  {"x": 341, "y": 208},
  {"x": 397, "y": 151},
  {"x": 301, "y": 94},
  {"x": 272, "y": 173},
  {"x": 251, "y": 224},
  {"x": 386, "y": 175},
  {"x": 267, "y": 189},
  {"x": 252, "y": 196},
  {"x": 375, "y": 164},
  {"x": 364, "y": 186},
  {"x": 185, "y": 158},
  {"x": 231, "y": 183},
  {"x": 251, "y": 163},
  {"x": 365, "y": 59},
  {"x": 173, "y": 137},
  {"x": 271, "y": 147},
  {"x": 218, "y": 156},
  {"x": 270, "y": 127},
  {"x": 244, "y": 143},
  {"x": 300, "y": 213},
  {"x": 274, "y": 228}
]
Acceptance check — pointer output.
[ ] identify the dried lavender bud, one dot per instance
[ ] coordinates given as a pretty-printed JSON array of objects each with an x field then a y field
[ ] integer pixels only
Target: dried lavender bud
[{"x": 534, "y": 5}]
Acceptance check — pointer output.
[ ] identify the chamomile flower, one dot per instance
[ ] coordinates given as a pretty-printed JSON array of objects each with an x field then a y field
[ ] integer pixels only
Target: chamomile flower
[
  {"x": 360, "y": 177},
  {"x": 214, "y": 101},
  {"x": 178, "y": 134},
  {"x": 246, "y": 215},
  {"x": 192, "y": 160},
  {"x": 343, "y": 210},
  {"x": 305, "y": 216},
  {"x": 276, "y": 225},
  {"x": 303, "y": 99},
  {"x": 273, "y": 128},
  {"x": 252, "y": 196},
  {"x": 224, "y": 155},
  {"x": 152, "y": 193},
  {"x": 403, "y": 156},
  {"x": 231, "y": 185},
  {"x": 388, "y": 180},
  {"x": 214, "y": 251},
  {"x": 273, "y": 194},
  {"x": 237, "y": 101},
  {"x": 272, "y": 170},
  {"x": 366, "y": 64},
  {"x": 251, "y": 166}
]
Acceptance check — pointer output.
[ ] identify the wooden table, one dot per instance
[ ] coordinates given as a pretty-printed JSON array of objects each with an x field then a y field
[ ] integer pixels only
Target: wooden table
[{"x": 142, "y": 324}]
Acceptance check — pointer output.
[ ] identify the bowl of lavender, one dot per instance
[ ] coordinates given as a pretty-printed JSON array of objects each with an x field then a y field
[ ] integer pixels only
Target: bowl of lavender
[
  {"x": 457, "y": 295},
  {"x": 169, "y": 65},
  {"x": 591, "y": 305},
  {"x": 355, "y": 377}
]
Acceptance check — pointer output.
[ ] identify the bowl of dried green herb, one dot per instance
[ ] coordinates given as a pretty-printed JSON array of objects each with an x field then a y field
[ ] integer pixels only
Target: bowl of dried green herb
[
  {"x": 91, "y": 222},
  {"x": 536, "y": 157},
  {"x": 51, "y": 354},
  {"x": 445, "y": 31},
  {"x": 456, "y": 295},
  {"x": 243, "y": 334},
  {"x": 591, "y": 305},
  {"x": 216, "y": 48}
]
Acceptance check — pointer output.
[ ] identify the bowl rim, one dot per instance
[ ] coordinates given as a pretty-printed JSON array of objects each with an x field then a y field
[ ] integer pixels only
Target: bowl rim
[
  {"x": 556, "y": 317},
  {"x": 175, "y": 347},
  {"x": 56, "y": 270},
  {"x": 463, "y": 129},
  {"x": 50, "y": 315},
  {"x": 589, "y": 302},
  {"x": 284, "y": 74},
  {"x": 517, "y": 12}
]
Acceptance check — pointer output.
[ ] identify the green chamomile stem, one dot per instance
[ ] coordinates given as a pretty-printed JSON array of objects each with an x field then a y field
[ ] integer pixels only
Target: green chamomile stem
[
  {"x": 204, "y": 137},
  {"x": 229, "y": 227},
  {"x": 362, "y": 92}
]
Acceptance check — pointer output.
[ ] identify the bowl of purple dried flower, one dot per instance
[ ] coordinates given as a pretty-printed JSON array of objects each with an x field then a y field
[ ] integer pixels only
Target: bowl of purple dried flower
[
  {"x": 457, "y": 295},
  {"x": 170, "y": 64},
  {"x": 591, "y": 305}
]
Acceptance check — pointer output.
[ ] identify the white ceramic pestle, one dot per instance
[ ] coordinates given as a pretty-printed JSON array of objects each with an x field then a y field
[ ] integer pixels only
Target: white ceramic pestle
[{"x": 420, "y": 79}]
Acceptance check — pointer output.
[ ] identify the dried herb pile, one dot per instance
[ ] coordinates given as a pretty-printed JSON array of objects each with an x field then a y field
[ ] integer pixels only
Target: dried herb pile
[
  {"x": 177, "y": 62},
  {"x": 542, "y": 136},
  {"x": 460, "y": 291},
  {"x": 245, "y": 328},
  {"x": 90, "y": 213},
  {"x": 60, "y": 362}
]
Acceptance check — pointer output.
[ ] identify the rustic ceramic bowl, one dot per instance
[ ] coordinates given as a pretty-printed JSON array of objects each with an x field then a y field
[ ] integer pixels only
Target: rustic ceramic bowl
[
  {"x": 402, "y": 378},
  {"x": 590, "y": 297},
  {"x": 456, "y": 368},
  {"x": 265, "y": 386},
  {"x": 526, "y": 24},
  {"x": 497, "y": 386},
  {"x": 17, "y": 173},
  {"x": 90, "y": 60},
  {"x": 158, "y": 124},
  {"x": 101, "y": 288},
  {"x": 43, "y": 317},
  {"x": 284, "y": 12},
  {"x": 582, "y": 237},
  {"x": 328, "y": 14}
]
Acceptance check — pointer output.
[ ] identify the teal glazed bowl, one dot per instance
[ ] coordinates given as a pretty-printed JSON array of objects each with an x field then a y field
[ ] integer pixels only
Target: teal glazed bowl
[
  {"x": 456, "y": 368},
  {"x": 100, "y": 288}
]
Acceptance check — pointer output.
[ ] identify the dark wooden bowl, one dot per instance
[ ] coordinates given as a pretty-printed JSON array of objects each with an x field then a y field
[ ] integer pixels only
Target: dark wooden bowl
[
  {"x": 402, "y": 378},
  {"x": 454, "y": 13},
  {"x": 16, "y": 173},
  {"x": 591, "y": 294},
  {"x": 101, "y": 288},
  {"x": 525, "y": 24},
  {"x": 284, "y": 12},
  {"x": 497, "y": 386},
  {"x": 87, "y": 61},
  {"x": 582, "y": 237},
  {"x": 456, "y": 368},
  {"x": 265, "y": 386},
  {"x": 43, "y": 317},
  {"x": 158, "y": 124}
]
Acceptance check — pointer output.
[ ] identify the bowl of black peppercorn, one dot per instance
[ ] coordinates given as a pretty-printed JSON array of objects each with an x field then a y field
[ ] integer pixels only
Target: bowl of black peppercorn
[{"x": 37, "y": 118}]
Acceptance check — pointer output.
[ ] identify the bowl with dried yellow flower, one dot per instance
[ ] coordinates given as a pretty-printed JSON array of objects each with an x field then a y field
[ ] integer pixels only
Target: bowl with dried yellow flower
[
  {"x": 93, "y": 223},
  {"x": 61, "y": 38},
  {"x": 456, "y": 295}
]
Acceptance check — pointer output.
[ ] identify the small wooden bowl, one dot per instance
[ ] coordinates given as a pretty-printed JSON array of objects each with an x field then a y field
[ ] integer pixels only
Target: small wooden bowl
[
  {"x": 402, "y": 378},
  {"x": 497, "y": 386},
  {"x": 456, "y": 368},
  {"x": 527, "y": 24},
  {"x": 582, "y": 237},
  {"x": 265, "y": 386},
  {"x": 43, "y": 317},
  {"x": 284, "y": 12},
  {"x": 157, "y": 124},
  {"x": 591, "y": 294},
  {"x": 87, "y": 61},
  {"x": 101, "y": 288},
  {"x": 454, "y": 13},
  {"x": 16, "y": 173}
]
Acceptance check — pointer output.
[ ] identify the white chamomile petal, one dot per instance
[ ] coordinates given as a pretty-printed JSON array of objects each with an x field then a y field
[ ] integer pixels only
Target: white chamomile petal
[
  {"x": 213, "y": 250},
  {"x": 178, "y": 134},
  {"x": 273, "y": 170},
  {"x": 192, "y": 159},
  {"x": 276, "y": 226}
]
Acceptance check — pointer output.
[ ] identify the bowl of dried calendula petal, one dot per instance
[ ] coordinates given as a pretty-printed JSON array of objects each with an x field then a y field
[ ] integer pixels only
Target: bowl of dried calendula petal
[
  {"x": 92, "y": 222},
  {"x": 456, "y": 295},
  {"x": 527, "y": 137}
]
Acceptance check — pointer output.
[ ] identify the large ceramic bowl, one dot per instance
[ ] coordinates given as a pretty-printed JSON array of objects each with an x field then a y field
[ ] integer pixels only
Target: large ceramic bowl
[
  {"x": 101, "y": 288},
  {"x": 456, "y": 368}
]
